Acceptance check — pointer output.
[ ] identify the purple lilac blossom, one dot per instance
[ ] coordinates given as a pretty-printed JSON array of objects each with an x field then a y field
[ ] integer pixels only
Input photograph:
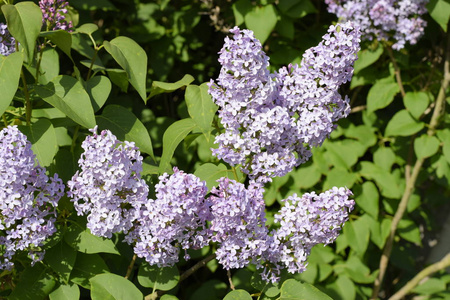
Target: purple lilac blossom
[
  {"x": 109, "y": 188},
  {"x": 28, "y": 199},
  {"x": 272, "y": 121},
  {"x": 399, "y": 22},
  {"x": 238, "y": 223},
  {"x": 305, "y": 222},
  {"x": 176, "y": 219},
  {"x": 54, "y": 15},
  {"x": 7, "y": 42}
]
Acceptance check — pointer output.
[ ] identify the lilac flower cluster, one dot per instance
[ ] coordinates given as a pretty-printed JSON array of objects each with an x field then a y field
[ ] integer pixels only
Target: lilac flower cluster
[
  {"x": 54, "y": 14},
  {"x": 390, "y": 20},
  {"x": 272, "y": 120},
  {"x": 305, "y": 222},
  {"x": 7, "y": 42},
  {"x": 109, "y": 187},
  {"x": 238, "y": 223},
  {"x": 28, "y": 199},
  {"x": 176, "y": 218}
]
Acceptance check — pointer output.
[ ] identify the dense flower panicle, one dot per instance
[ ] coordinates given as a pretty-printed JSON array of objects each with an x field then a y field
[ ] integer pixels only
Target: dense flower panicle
[
  {"x": 7, "y": 42},
  {"x": 54, "y": 14},
  {"x": 176, "y": 219},
  {"x": 238, "y": 223},
  {"x": 305, "y": 222},
  {"x": 272, "y": 120},
  {"x": 109, "y": 188},
  {"x": 28, "y": 199},
  {"x": 389, "y": 20}
]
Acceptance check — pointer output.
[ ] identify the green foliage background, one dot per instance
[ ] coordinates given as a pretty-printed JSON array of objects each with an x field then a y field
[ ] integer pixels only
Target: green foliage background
[{"x": 139, "y": 69}]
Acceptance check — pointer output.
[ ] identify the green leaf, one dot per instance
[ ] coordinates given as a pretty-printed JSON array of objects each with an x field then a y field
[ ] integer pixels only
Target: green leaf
[
  {"x": 60, "y": 38},
  {"x": 43, "y": 139},
  {"x": 61, "y": 258},
  {"x": 86, "y": 267},
  {"x": 342, "y": 289},
  {"x": 112, "y": 286},
  {"x": 384, "y": 158},
  {"x": 93, "y": 5},
  {"x": 366, "y": 57},
  {"x": 172, "y": 138},
  {"x": 68, "y": 95},
  {"x": 200, "y": 106},
  {"x": 66, "y": 292},
  {"x": 357, "y": 234},
  {"x": 133, "y": 59},
  {"x": 358, "y": 271},
  {"x": 340, "y": 177},
  {"x": 381, "y": 94},
  {"x": 211, "y": 173},
  {"x": 408, "y": 230},
  {"x": 430, "y": 286},
  {"x": 444, "y": 136},
  {"x": 238, "y": 295},
  {"x": 126, "y": 127},
  {"x": 294, "y": 290},
  {"x": 261, "y": 20},
  {"x": 49, "y": 67},
  {"x": 24, "y": 23},
  {"x": 363, "y": 133},
  {"x": 368, "y": 199},
  {"x": 10, "y": 67},
  {"x": 35, "y": 283},
  {"x": 119, "y": 78},
  {"x": 240, "y": 9},
  {"x": 85, "y": 242},
  {"x": 159, "y": 87},
  {"x": 426, "y": 146},
  {"x": 402, "y": 124},
  {"x": 158, "y": 278},
  {"x": 87, "y": 28},
  {"x": 440, "y": 12},
  {"x": 416, "y": 103},
  {"x": 306, "y": 176},
  {"x": 386, "y": 181},
  {"x": 98, "y": 89},
  {"x": 296, "y": 8}
]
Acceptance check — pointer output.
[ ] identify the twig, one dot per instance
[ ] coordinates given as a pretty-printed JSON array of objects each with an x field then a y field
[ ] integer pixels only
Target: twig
[
  {"x": 130, "y": 267},
  {"x": 434, "y": 122},
  {"x": 230, "y": 281},
  {"x": 358, "y": 108},
  {"x": 398, "y": 76},
  {"x": 442, "y": 264}
]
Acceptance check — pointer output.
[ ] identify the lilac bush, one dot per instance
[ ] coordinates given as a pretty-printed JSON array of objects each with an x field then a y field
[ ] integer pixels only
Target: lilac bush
[
  {"x": 109, "y": 188},
  {"x": 399, "y": 22},
  {"x": 7, "y": 42},
  {"x": 272, "y": 121},
  {"x": 28, "y": 199}
]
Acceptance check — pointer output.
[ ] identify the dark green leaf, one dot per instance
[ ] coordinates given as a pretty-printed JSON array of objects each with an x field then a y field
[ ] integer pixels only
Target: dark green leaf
[
  {"x": 112, "y": 286},
  {"x": 66, "y": 292},
  {"x": 68, "y": 95},
  {"x": 402, "y": 124},
  {"x": 10, "y": 67},
  {"x": 86, "y": 267},
  {"x": 61, "y": 258},
  {"x": 261, "y": 20},
  {"x": 35, "y": 283},
  {"x": 98, "y": 89},
  {"x": 24, "y": 22},
  {"x": 240, "y": 9},
  {"x": 159, "y": 87},
  {"x": 296, "y": 8},
  {"x": 133, "y": 59},
  {"x": 60, "y": 38},
  {"x": 238, "y": 295},
  {"x": 158, "y": 278},
  {"x": 126, "y": 126}
]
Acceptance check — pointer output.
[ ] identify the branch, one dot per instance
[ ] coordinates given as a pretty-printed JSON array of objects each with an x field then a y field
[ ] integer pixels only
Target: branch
[
  {"x": 434, "y": 122},
  {"x": 440, "y": 265},
  {"x": 398, "y": 76}
]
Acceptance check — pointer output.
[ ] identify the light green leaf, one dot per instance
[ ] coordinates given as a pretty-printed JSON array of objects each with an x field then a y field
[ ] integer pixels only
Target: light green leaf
[
  {"x": 35, "y": 283},
  {"x": 402, "y": 124},
  {"x": 261, "y": 20},
  {"x": 133, "y": 59},
  {"x": 86, "y": 267},
  {"x": 357, "y": 234},
  {"x": 10, "y": 67},
  {"x": 49, "y": 67},
  {"x": 68, "y": 95},
  {"x": 384, "y": 158},
  {"x": 43, "y": 139},
  {"x": 200, "y": 106},
  {"x": 385, "y": 180},
  {"x": 98, "y": 89},
  {"x": 440, "y": 12},
  {"x": 126, "y": 127},
  {"x": 24, "y": 23},
  {"x": 306, "y": 176},
  {"x": 87, "y": 28},
  {"x": 238, "y": 295},
  {"x": 66, "y": 292},
  {"x": 84, "y": 241},
  {"x": 366, "y": 57},
  {"x": 295, "y": 290},
  {"x": 340, "y": 177},
  {"x": 426, "y": 146},
  {"x": 381, "y": 94},
  {"x": 61, "y": 258},
  {"x": 342, "y": 289},
  {"x": 60, "y": 38},
  {"x": 114, "y": 287},
  {"x": 172, "y": 138},
  {"x": 408, "y": 230},
  {"x": 240, "y": 9},
  {"x": 416, "y": 103},
  {"x": 211, "y": 173},
  {"x": 159, "y": 278},
  {"x": 159, "y": 87},
  {"x": 431, "y": 286},
  {"x": 368, "y": 199}
]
